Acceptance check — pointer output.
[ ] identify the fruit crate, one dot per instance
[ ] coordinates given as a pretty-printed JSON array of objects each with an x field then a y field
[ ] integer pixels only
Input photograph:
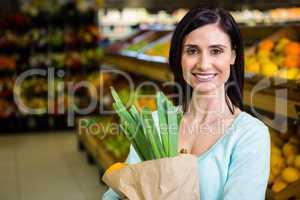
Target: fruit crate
[
  {"x": 103, "y": 146},
  {"x": 260, "y": 58},
  {"x": 291, "y": 192},
  {"x": 274, "y": 48},
  {"x": 135, "y": 44},
  {"x": 118, "y": 45},
  {"x": 287, "y": 147}
]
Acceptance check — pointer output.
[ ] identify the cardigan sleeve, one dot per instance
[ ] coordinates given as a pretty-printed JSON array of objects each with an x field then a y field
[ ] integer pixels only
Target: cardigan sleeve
[{"x": 249, "y": 165}]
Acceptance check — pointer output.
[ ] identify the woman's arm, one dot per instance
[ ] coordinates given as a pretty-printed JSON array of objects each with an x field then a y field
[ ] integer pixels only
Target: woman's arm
[
  {"x": 131, "y": 159},
  {"x": 250, "y": 165}
]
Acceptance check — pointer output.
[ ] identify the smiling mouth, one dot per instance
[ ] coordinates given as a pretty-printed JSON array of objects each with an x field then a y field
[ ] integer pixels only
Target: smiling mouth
[{"x": 204, "y": 77}]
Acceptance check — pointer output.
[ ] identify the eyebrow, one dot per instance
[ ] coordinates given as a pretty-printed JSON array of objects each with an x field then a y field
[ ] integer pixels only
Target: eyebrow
[{"x": 211, "y": 46}]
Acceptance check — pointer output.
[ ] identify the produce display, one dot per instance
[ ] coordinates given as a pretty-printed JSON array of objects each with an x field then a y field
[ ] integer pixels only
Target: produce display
[
  {"x": 115, "y": 143},
  {"x": 65, "y": 37},
  {"x": 145, "y": 97},
  {"x": 142, "y": 41},
  {"x": 118, "y": 145},
  {"x": 6, "y": 108},
  {"x": 101, "y": 81},
  {"x": 7, "y": 63},
  {"x": 137, "y": 46},
  {"x": 6, "y": 86},
  {"x": 90, "y": 58},
  {"x": 43, "y": 39},
  {"x": 33, "y": 93},
  {"x": 132, "y": 16},
  {"x": 160, "y": 49},
  {"x": 139, "y": 42},
  {"x": 285, "y": 160},
  {"x": 272, "y": 16},
  {"x": 280, "y": 58},
  {"x": 118, "y": 45}
]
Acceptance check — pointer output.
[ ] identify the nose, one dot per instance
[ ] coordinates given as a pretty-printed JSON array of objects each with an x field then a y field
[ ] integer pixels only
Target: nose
[{"x": 203, "y": 62}]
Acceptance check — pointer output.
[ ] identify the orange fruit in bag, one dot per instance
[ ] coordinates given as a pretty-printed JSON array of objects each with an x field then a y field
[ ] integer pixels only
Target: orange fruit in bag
[{"x": 116, "y": 166}]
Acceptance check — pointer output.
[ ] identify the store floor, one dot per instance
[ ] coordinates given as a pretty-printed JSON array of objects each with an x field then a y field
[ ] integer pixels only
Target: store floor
[{"x": 46, "y": 166}]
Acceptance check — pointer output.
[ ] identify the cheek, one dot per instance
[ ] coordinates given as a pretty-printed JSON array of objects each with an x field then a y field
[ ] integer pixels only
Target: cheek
[
  {"x": 223, "y": 67},
  {"x": 187, "y": 66},
  {"x": 188, "y": 63}
]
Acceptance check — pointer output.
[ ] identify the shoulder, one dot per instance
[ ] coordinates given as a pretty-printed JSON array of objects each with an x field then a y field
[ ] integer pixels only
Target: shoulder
[
  {"x": 246, "y": 123},
  {"x": 250, "y": 132}
]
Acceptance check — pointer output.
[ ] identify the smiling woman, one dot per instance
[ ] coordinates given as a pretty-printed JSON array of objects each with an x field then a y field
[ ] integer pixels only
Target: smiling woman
[{"x": 232, "y": 147}]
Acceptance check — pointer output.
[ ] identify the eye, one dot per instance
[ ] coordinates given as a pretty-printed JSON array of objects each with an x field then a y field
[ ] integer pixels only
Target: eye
[
  {"x": 216, "y": 51},
  {"x": 192, "y": 51}
]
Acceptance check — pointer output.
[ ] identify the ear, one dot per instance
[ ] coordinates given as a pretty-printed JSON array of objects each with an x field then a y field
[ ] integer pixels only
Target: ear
[{"x": 233, "y": 56}]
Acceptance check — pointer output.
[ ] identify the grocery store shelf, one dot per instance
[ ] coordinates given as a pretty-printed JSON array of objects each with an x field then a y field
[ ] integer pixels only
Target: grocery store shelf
[
  {"x": 154, "y": 70},
  {"x": 95, "y": 147},
  {"x": 105, "y": 159},
  {"x": 269, "y": 101}
]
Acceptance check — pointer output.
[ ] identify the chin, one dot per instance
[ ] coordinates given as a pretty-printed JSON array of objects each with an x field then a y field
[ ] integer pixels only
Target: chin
[
  {"x": 204, "y": 88},
  {"x": 209, "y": 86}
]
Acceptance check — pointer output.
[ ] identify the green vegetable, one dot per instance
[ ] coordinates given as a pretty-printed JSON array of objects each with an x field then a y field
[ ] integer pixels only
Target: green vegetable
[
  {"x": 163, "y": 123},
  {"x": 139, "y": 127},
  {"x": 173, "y": 129},
  {"x": 150, "y": 130}
]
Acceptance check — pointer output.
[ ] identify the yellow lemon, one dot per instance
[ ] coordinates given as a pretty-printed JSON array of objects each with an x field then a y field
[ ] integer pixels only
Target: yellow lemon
[
  {"x": 282, "y": 74},
  {"x": 289, "y": 149},
  {"x": 264, "y": 61},
  {"x": 249, "y": 59},
  {"x": 275, "y": 170},
  {"x": 297, "y": 162},
  {"x": 278, "y": 185},
  {"x": 292, "y": 73},
  {"x": 269, "y": 69},
  {"x": 277, "y": 161},
  {"x": 263, "y": 54},
  {"x": 278, "y": 60},
  {"x": 116, "y": 166},
  {"x": 290, "y": 174},
  {"x": 281, "y": 44},
  {"x": 253, "y": 67},
  {"x": 290, "y": 160},
  {"x": 275, "y": 151},
  {"x": 297, "y": 77}
]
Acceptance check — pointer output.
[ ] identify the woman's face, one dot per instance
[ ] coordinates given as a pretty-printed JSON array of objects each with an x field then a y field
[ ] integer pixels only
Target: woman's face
[{"x": 206, "y": 58}]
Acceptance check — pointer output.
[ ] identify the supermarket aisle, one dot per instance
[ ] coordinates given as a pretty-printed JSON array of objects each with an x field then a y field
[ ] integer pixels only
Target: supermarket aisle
[{"x": 45, "y": 166}]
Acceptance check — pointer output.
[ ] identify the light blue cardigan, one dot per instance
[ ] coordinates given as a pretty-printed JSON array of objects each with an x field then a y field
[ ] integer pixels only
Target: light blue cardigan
[{"x": 235, "y": 167}]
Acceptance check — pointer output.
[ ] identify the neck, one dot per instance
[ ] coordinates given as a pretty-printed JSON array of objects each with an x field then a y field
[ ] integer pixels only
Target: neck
[{"x": 209, "y": 107}]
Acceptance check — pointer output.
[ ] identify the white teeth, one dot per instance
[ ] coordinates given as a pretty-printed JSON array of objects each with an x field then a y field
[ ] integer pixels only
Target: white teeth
[{"x": 205, "y": 77}]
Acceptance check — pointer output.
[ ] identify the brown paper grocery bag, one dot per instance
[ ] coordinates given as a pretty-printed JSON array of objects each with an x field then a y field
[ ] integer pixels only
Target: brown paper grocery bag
[{"x": 173, "y": 178}]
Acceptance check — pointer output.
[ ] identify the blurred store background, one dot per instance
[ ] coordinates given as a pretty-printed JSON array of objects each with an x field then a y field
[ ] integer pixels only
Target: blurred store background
[{"x": 58, "y": 59}]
